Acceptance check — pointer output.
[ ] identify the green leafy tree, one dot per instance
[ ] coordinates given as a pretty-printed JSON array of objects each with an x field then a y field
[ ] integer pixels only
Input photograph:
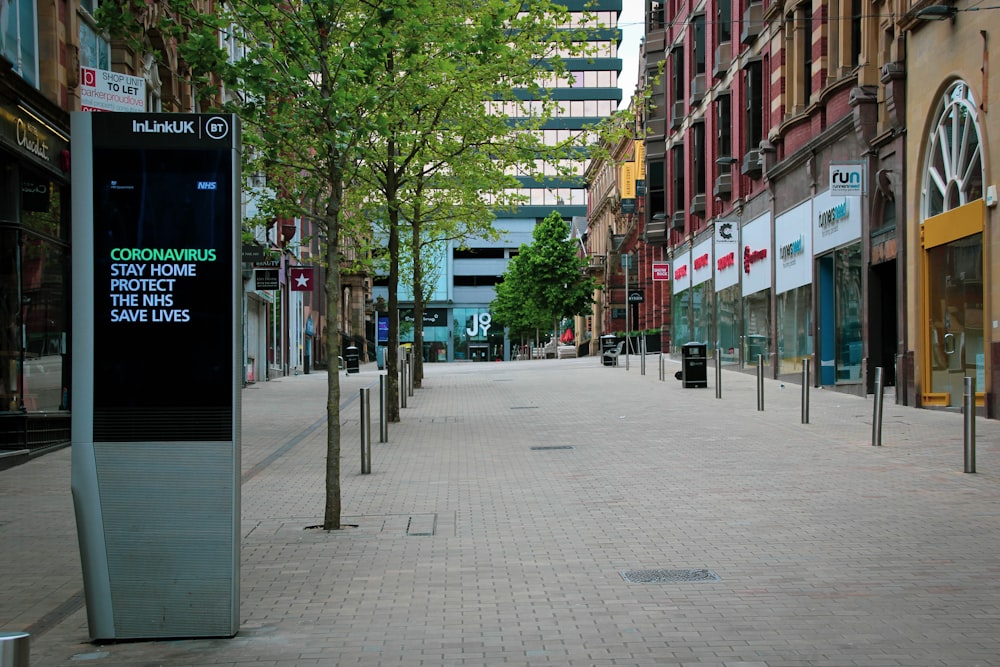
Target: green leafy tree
[{"x": 546, "y": 282}]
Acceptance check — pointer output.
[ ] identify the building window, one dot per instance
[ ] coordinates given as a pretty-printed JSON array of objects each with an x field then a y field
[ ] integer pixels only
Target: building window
[
  {"x": 19, "y": 38},
  {"x": 678, "y": 177},
  {"x": 754, "y": 118},
  {"x": 657, "y": 200},
  {"x": 95, "y": 51},
  {"x": 856, "y": 19},
  {"x": 698, "y": 157},
  {"x": 677, "y": 58},
  {"x": 953, "y": 170},
  {"x": 698, "y": 35},
  {"x": 723, "y": 126},
  {"x": 724, "y": 20},
  {"x": 805, "y": 34}
]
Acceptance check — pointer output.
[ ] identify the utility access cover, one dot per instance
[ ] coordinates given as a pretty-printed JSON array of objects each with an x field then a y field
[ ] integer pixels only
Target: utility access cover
[{"x": 668, "y": 576}]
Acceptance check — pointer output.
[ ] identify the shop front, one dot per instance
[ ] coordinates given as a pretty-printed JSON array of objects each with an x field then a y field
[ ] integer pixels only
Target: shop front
[
  {"x": 793, "y": 287},
  {"x": 702, "y": 293},
  {"x": 756, "y": 290},
  {"x": 726, "y": 281},
  {"x": 839, "y": 288},
  {"x": 680, "y": 306},
  {"x": 34, "y": 280}
]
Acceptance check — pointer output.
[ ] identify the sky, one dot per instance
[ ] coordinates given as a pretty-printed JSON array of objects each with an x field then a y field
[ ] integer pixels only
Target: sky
[{"x": 631, "y": 23}]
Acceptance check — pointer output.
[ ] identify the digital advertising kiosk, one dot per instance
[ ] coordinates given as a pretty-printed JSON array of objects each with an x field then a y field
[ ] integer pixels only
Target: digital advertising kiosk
[{"x": 156, "y": 372}]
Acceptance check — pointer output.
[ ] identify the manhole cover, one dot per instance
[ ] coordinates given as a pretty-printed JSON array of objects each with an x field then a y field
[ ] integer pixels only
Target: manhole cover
[
  {"x": 552, "y": 447},
  {"x": 668, "y": 576}
]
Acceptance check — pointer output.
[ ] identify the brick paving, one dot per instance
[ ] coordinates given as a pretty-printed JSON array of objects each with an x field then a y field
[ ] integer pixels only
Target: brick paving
[{"x": 499, "y": 519}]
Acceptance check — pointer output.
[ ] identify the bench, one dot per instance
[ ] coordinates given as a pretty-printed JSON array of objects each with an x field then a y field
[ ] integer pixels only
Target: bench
[{"x": 610, "y": 357}]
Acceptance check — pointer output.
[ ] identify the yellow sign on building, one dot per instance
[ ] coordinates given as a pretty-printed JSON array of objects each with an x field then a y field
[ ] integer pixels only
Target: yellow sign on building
[{"x": 626, "y": 181}]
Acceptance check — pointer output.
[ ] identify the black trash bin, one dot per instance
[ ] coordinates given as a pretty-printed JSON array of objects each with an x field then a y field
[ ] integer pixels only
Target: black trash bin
[
  {"x": 608, "y": 342},
  {"x": 694, "y": 365},
  {"x": 351, "y": 359}
]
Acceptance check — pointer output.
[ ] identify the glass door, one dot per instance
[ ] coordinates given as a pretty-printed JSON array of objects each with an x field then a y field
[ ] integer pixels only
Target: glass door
[{"x": 955, "y": 318}]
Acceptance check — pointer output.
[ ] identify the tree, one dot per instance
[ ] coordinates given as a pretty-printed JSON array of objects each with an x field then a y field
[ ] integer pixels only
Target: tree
[{"x": 546, "y": 282}]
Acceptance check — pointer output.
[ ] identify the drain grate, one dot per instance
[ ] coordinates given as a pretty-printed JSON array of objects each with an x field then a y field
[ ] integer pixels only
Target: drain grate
[
  {"x": 524, "y": 407},
  {"x": 668, "y": 576},
  {"x": 544, "y": 447}
]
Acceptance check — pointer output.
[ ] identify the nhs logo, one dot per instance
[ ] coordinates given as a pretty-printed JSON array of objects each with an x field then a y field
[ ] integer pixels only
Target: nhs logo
[{"x": 847, "y": 179}]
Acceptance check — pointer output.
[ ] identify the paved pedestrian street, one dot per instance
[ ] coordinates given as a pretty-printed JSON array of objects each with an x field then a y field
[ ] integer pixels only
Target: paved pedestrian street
[{"x": 560, "y": 512}]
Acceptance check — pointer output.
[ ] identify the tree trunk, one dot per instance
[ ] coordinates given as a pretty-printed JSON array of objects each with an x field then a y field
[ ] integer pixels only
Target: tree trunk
[{"x": 331, "y": 518}]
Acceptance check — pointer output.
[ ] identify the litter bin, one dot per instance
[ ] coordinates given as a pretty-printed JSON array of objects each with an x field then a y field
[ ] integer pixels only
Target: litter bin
[
  {"x": 380, "y": 356},
  {"x": 608, "y": 342},
  {"x": 694, "y": 365},
  {"x": 351, "y": 360}
]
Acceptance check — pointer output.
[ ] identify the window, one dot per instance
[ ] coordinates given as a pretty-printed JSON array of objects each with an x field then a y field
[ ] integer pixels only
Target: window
[
  {"x": 678, "y": 177},
  {"x": 754, "y": 118},
  {"x": 724, "y": 20},
  {"x": 698, "y": 157},
  {"x": 657, "y": 186},
  {"x": 95, "y": 51},
  {"x": 677, "y": 58},
  {"x": 19, "y": 38},
  {"x": 723, "y": 126},
  {"x": 805, "y": 33},
  {"x": 856, "y": 19},
  {"x": 698, "y": 35}
]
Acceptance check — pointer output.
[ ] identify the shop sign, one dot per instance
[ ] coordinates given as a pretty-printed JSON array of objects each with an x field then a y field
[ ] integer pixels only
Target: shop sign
[
  {"x": 32, "y": 136},
  {"x": 727, "y": 261},
  {"x": 635, "y": 296},
  {"x": 751, "y": 257},
  {"x": 755, "y": 256},
  {"x": 101, "y": 90},
  {"x": 682, "y": 271},
  {"x": 661, "y": 271},
  {"x": 265, "y": 280},
  {"x": 836, "y": 221},
  {"x": 433, "y": 317},
  {"x": 847, "y": 179}
]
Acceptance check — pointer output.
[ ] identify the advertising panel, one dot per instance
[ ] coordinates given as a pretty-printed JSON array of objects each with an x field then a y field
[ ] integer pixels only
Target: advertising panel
[
  {"x": 682, "y": 270},
  {"x": 793, "y": 240},
  {"x": 756, "y": 254},
  {"x": 836, "y": 221},
  {"x": 727, "y": 242},
  {"x": 101, "y": 90},
  {"x": 701, "y": 262}
]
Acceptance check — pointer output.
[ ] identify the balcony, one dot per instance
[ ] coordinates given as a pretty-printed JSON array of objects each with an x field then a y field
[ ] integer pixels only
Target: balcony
[
  {"x": 751, "y": 164},
  {"x": 698, "y": 205},
  {"x": 677, "y": 117},
  {"x": 723, "y": 59},
  {"x": 677, "y": 221},
  {"x": 697, "y": 88},
  {"x": 752, "y": 22},
  {"x": 723, "y": 185}
]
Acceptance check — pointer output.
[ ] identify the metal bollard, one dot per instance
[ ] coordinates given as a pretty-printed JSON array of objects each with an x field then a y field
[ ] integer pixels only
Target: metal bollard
[
  {"x": 383, "y": 403},
  {"x": 642, "y": 355},
  {"x": 366, "y": 431},
  {"x": 969, "y": 408},
  {"x": 877, "y": 408},
  {"x": 663, "y": 369},
  {"x": 760, "y": 383},
  {"x": 718, "y": 373},
  {"x": 805, "y": 390},
  {"x": 14, "y": 649},
  {"x": 402, "y": 381},
  {"x": 409, "y": 371}
]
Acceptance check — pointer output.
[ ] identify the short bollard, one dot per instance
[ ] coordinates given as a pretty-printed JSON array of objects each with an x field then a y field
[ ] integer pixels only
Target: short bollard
[
  {"x": 760, "y": 383},
  {"x": 877, "y": 408},
  {"x": 663, "y": 370},
  {"x": 14, "y": 649},
  {"x": 718, "y": 373},
  {"x": 969, "y": 408},
  {"x": 805, "y": 390},
  {"x": 402, "y": 380},
  {"x": 383, "y": 405},
  {"x": 409, "y": 372},
  {"x": 366, "y": 432}
]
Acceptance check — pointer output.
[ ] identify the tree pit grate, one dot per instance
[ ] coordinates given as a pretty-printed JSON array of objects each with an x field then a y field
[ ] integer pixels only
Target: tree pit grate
[{"x": 668, "y": 576}]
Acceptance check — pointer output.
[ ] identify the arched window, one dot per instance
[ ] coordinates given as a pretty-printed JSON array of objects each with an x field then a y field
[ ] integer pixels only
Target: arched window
[{"x": 953, "y": 168}]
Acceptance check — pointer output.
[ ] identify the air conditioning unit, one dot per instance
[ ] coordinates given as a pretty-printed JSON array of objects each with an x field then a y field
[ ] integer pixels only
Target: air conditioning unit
[
  {"x": 697, "y": 88},
  {"x": 677, "y": 221},
  {"x": 698, "y": 205},
  {"x": 723, "y": 185},
  {"x": 751, "y": 164},
  {"x": 677, "y": 117},
  {"x": 752, "y": 22},
  {"x": 723, "y": 59}
]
